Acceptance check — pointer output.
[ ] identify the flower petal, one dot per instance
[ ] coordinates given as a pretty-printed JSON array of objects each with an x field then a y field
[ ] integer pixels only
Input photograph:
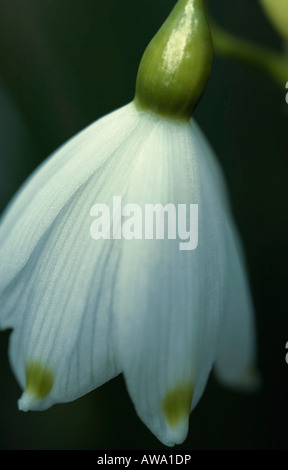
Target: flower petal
[
  {"x": 60, "y": 280},
  {"x": 167, "y": 305},
  {"x": 236, "y": 358},
  {"x": 31, "y": 215}
]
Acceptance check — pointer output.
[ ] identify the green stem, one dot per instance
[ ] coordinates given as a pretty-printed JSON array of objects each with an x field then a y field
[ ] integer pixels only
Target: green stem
[{"x": 273, "y": 64}]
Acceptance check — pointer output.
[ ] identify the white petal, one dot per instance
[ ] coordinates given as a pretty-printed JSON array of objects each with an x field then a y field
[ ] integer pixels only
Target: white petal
[
  {"x": 42, "y": 199},
  {"x": 168, "y": 305},
  {"x": 57, "y": 278},
  {"x": 236, "y": 358}
]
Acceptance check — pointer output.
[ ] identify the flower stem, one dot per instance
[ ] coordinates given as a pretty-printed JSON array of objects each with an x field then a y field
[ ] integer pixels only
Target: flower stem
[{"x": 267, "y": 61}]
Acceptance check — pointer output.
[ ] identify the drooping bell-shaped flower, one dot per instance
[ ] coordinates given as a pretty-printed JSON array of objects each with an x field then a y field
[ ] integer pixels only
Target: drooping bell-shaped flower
[{"x": 120, "y": 255}]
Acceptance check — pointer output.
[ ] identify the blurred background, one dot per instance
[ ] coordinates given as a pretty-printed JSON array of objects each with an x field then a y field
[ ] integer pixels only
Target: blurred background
[{"x": 63, "y": 64}]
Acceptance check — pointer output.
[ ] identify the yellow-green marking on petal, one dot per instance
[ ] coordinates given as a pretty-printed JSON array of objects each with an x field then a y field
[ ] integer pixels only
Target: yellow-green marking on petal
[
  {"x": 251, "y": 379},
  {"x": 39, "y": 380},
  {"x": 177, "y": 403}
]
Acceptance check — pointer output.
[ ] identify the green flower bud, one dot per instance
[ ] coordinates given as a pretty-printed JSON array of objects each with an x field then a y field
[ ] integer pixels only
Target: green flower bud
[
  {"x": 176, "y": 64},
  {"x": 277, "y": 11}
]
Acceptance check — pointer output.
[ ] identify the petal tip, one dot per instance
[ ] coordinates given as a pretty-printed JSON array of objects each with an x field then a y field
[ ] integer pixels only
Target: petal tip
[
  {"x": 176, "y": 407},
  {"x": 39, "y": 382},
  {"x": 27, "y": 402},
  {"x": 251, "y": 380}
]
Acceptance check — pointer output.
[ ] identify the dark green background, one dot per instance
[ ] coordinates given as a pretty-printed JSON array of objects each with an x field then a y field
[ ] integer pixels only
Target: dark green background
[{"x": 63, "y": 64}]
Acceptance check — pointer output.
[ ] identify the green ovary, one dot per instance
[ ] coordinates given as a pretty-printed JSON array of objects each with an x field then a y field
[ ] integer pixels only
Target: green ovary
[{"x": 176, "y": 64}]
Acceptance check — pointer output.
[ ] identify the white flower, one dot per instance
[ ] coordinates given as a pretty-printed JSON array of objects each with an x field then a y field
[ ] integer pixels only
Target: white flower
[{"x": 84, "y": 310}]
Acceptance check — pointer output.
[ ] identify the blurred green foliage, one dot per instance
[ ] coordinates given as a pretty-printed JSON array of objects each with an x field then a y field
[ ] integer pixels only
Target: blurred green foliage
[{"x": 65, "y": 63}]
